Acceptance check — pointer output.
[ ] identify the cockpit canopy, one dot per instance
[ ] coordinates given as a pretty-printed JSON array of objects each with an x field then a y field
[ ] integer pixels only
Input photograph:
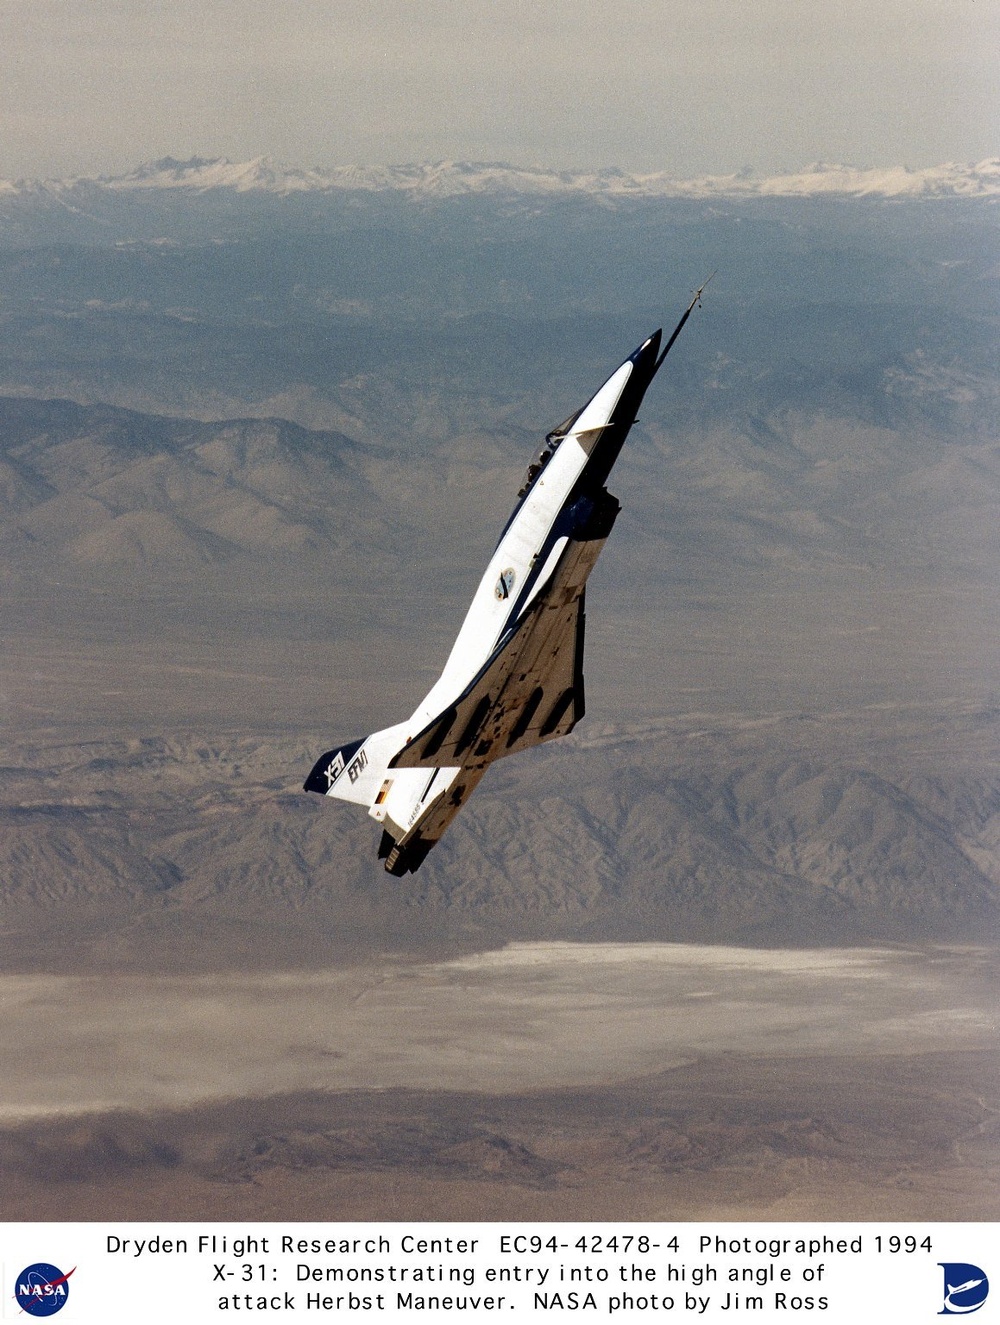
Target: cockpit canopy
[
  {"x": 537, "y": 465},
  {"x": 552, "y": 441}
]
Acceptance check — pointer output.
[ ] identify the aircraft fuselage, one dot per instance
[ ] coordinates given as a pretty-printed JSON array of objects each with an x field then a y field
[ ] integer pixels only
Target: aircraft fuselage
[{"x": 514, "y": 677}]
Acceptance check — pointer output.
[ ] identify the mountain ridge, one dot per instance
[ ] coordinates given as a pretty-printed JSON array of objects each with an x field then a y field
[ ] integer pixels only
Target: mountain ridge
[{"x": 450, "y": 178}]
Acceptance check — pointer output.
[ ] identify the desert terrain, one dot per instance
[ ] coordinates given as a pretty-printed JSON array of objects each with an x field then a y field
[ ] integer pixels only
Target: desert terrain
[{"x": 729, "y": 950}]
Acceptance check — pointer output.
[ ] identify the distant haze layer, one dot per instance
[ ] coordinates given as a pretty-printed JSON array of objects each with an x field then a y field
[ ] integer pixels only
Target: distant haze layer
[{"x": 698, "y": 86}]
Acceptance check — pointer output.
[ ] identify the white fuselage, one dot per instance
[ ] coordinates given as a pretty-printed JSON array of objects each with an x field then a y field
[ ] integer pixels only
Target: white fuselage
[
  {"x": 514, "y": 677},
  {"x": 490, "y": 616},
  {"x": 402, "y": 797},
  {"x": 404, "y": 794},
  {"x": 409, "y": 792}
]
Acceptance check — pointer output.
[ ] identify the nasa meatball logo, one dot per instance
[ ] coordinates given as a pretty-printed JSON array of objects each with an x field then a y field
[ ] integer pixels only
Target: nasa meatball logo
[
  {"x": 42, "y": 1289},
  {"x": 965, "y": 1288}
]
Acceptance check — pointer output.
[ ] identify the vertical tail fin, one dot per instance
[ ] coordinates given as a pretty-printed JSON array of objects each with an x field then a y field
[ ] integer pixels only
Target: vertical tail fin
[
  {"x": 413, "y": 805},
  {"x": 356, "y": 771}
]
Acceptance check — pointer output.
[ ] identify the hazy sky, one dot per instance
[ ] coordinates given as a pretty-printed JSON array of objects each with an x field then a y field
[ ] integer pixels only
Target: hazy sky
[{"x": 681, "y": 85}]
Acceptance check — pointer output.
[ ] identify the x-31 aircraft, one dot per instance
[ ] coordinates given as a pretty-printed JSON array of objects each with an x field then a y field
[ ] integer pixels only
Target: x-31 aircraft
[{"x": 514, "y": 677}]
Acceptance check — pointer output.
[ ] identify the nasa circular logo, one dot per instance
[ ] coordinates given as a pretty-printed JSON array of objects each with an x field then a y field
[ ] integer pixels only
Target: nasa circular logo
[
  {"x": 42, "y": 1289},
  {"x": 505, "y": 583},
  {"x": 965, "y": 1288}
]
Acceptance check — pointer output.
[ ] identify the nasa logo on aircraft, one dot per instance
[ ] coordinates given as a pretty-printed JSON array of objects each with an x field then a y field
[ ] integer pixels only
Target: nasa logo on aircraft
[
  {"x": 42, "y": 1289},
  {"x": 505, "y": 583},
  {"x": 965, "y": 1288}
]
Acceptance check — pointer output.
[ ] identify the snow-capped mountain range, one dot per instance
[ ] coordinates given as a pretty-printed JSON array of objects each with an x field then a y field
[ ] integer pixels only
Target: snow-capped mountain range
[{"x": 449, "y": 178}]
